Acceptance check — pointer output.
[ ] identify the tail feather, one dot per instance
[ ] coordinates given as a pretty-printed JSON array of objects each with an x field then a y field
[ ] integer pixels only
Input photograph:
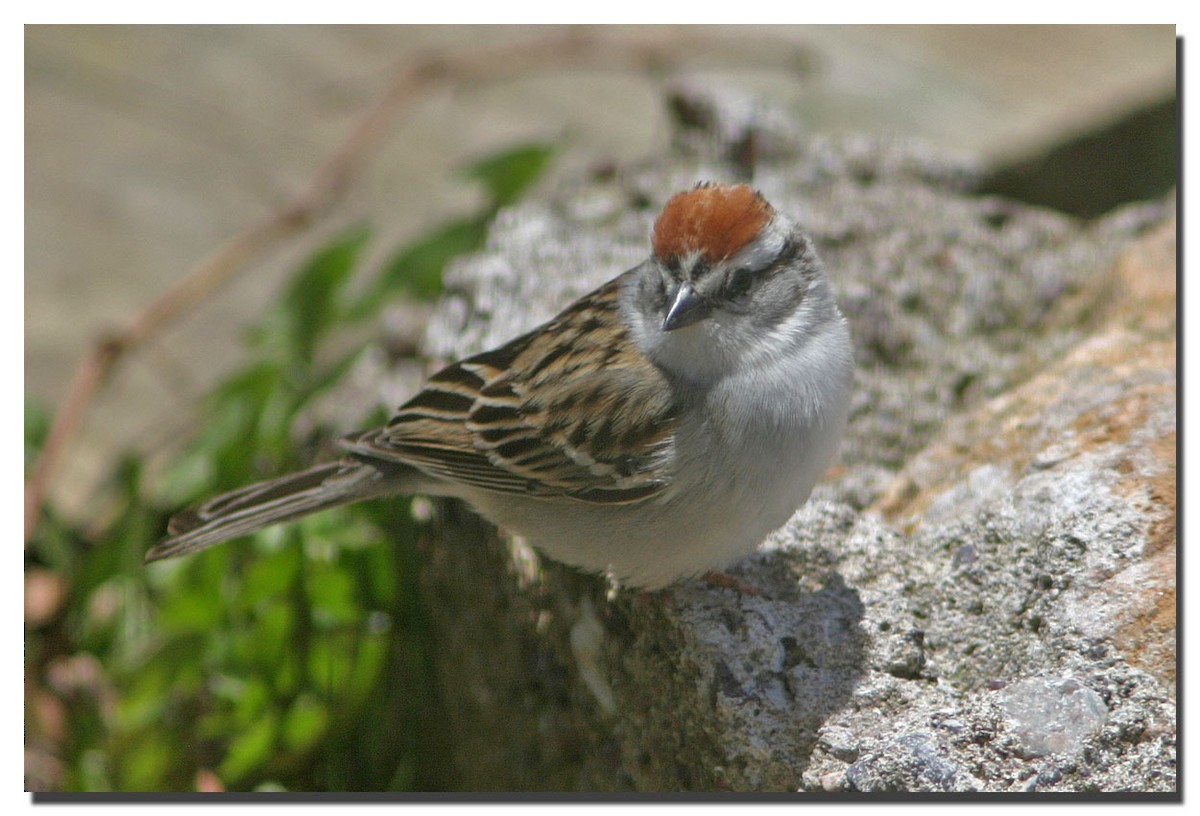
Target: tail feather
[{"x": 260, "y": 505}]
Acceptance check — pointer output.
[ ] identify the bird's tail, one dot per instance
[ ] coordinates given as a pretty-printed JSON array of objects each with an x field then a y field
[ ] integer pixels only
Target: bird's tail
[{"x": 255, "y": 506}]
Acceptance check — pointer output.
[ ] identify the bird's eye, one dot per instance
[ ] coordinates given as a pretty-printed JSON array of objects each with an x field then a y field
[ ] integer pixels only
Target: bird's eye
[{"x": 739, "y": 282}]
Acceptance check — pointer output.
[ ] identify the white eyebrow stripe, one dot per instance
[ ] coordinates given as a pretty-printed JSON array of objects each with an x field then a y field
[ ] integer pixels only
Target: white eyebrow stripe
[{"x": 761, "y": 252}]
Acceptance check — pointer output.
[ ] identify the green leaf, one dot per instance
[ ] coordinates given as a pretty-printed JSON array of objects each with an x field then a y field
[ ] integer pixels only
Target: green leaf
[
  {"x": 145, "y": 697},
  {"x": 331, "y": 595},
  {"x": 37, "y": 427},
  {"x": 58, "y": 543},
  {"x": 273, "y": 425},
  {"x": 230, "y": 436},
  {"x": 327, "y": 377},
  {"x": 328, "y": 665},
  {"x": 187, "y": 613},
  {"x": 311, "y": 304},
  {"x": 271, "y": 637},
  {"x": 145, "y": 766},
  {"x": 507, "y": 175},
  {"x": 253, "y": 701},
  {"x": 371, "y": 654},
  {"x": 249, "y": 386},
  {"x": 304, "y": 722},
  {"x": 269, "y": 576},
  {"x": 185, "y": 479},
  {"x": 94, "y": 771},
  {"x": 251, "y": 748},
  {"x": 416, "y": 270}
]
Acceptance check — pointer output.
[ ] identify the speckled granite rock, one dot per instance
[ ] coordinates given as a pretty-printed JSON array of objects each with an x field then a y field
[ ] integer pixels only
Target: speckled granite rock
[{"x": 998, "y": 540}]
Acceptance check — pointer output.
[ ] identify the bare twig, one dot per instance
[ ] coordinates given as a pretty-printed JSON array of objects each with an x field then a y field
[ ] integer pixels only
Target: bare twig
[{"x": 574, "y": 48}]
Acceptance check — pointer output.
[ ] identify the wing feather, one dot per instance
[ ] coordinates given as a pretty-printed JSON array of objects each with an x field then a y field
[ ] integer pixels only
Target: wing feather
[{"x": 570, "y": 409}]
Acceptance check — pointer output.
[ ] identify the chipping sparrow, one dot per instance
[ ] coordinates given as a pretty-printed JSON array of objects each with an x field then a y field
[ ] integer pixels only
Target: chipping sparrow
[{"x": 658, "y": 428}]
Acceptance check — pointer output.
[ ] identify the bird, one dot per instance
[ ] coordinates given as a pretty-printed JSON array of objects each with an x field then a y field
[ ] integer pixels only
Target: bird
[{"x": 657, "y": 429}]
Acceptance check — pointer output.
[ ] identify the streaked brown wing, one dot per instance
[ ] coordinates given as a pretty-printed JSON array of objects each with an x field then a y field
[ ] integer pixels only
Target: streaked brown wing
[{"x": 571, "y": 409}]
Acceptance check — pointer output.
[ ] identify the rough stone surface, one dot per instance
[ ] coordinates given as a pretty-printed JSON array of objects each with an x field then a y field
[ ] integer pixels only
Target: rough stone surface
[
  {"x": 981, "y": 596},
  {"x": 1052, "y": 715}
]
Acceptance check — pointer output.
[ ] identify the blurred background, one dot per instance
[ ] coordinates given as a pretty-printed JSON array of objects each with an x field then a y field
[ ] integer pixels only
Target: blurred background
[{"x": 148, "y": 147}]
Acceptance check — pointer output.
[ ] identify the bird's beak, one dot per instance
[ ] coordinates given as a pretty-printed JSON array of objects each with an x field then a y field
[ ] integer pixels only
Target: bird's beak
[{"x": 688, "y": 308}]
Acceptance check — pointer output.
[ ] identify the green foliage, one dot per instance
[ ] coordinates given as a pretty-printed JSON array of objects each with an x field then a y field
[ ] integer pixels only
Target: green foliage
[
  {"x": 37, "y": 426},
  {"x": 293, "y": 660},
  {"x": 508, "y": 175},
  {"x": 417, "y": 269},
  {"x": 312, "y": 302}
]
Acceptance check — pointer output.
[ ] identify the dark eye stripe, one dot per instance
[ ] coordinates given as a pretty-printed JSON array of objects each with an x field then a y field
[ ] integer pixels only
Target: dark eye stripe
[
  {"x": 791, "y": 250},
  {"x": 739, "y": 282}
]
